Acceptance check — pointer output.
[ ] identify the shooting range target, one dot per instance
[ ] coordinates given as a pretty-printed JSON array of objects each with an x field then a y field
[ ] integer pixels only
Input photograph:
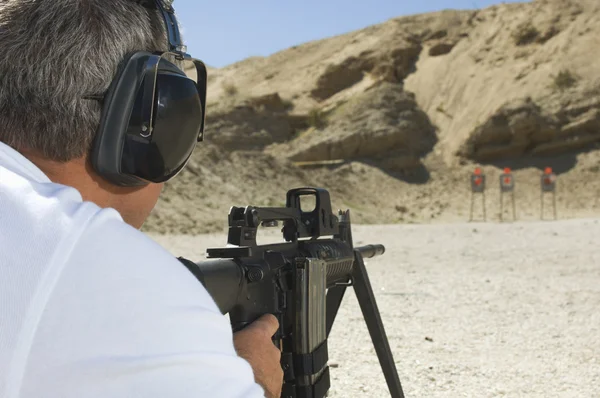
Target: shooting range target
[
  {"x": 507, "y": 186},
  {"x": 477, "y": 182},
  {"x": 507, "y": 181},
  {"x": 548, "y": 186},
  {"x": 548, "y": 181}
]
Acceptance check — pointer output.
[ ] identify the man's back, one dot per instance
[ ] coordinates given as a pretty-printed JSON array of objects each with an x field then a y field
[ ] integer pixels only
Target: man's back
[{"x": 90, "y": 307}]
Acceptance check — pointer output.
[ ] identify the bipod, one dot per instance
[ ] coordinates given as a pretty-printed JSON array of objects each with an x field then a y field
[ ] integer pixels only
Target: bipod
[{"x": 366, "y": 299}]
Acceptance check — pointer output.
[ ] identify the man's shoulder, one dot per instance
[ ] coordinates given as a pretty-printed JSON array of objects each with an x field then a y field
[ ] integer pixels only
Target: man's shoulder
[
  {"x": 108, "y": 230},
  {"x": 126, "y": 315},
  {"x": 132, "y": 286},
  {"x": 112, "y": 246}
]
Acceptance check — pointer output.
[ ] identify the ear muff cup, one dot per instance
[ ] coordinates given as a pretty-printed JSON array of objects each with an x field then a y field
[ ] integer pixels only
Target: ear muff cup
[
  {"x": 117, "y": 107},
  {"x": 119, "y": 102}
]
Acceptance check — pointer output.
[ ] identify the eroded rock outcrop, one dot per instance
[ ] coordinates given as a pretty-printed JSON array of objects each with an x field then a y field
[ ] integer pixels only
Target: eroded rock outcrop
[
  {"x": 525, "y": 128},
  {"x": 385, "y": 123},
  {"x": 251, "y": 124}
]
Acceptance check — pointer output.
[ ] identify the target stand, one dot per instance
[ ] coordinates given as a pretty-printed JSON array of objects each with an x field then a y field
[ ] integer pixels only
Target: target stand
[
  {"x": 477, "y": 189},
  {"x": 507, "y": 187},
  {"x": 548, "y": 187}
]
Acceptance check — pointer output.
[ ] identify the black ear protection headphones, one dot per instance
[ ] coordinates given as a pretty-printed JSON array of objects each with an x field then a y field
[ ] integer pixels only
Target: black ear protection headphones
[{"x": 153, "y": 112}]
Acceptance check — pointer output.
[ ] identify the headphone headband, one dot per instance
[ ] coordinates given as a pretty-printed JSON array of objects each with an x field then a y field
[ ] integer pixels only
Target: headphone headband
[{"x": 165, "y": 7}]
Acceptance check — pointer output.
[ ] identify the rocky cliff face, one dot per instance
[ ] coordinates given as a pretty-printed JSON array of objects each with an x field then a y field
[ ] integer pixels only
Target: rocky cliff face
[
  {"x": 510, "y": 80},
  {"x": 522, "y": 83},
  {"x": 416, "y": 99}
]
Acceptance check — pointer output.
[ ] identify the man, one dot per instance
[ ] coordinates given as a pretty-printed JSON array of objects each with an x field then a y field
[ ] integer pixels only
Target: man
[{"x": 89, "y": 306}]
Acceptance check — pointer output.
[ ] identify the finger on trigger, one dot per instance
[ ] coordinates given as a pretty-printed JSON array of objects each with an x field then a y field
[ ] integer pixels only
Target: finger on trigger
[{"x": 270, "y": 323}]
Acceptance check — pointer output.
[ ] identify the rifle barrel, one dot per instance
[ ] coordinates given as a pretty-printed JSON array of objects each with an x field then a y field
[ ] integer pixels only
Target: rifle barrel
[{"x": 370, "y": 251}]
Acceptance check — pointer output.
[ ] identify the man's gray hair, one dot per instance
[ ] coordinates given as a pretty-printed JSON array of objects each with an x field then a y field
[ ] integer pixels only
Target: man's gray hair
[{"x": 54, "y": 53}]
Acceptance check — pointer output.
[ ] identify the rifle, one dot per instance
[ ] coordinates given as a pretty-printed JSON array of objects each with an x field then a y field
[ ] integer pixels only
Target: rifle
[{"x": 302, "y": 282}]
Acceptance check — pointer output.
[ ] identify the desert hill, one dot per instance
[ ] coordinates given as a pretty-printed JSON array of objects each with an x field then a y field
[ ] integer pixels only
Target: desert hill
[{"x": 393, "y": 118}]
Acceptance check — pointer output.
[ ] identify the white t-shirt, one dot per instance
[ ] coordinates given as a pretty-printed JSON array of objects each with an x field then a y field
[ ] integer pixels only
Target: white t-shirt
[{"x": 92, "y": 308}]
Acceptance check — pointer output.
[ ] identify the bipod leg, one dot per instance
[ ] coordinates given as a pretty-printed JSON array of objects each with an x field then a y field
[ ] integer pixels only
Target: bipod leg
[
  {"x": 333, "y": 301},
  {"x": 368, "y": 306},
  {"x": 335, "y": 294}
]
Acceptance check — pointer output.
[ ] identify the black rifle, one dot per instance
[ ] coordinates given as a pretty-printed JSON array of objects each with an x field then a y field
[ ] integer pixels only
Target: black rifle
[{"x": 302, "y": 282}]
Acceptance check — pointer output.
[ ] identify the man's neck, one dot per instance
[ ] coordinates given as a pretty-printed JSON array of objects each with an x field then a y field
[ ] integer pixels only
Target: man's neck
[
  {"x": 133, "y": 203},
  {"x": 79, "y": 174}
]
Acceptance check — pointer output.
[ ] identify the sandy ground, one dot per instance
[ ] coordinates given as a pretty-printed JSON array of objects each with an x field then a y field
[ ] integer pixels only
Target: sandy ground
[{"x": 471, "y": 310}]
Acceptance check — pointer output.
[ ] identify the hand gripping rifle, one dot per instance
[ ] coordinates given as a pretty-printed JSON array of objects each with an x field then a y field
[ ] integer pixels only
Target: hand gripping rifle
[{"x": 302, "y": 282}]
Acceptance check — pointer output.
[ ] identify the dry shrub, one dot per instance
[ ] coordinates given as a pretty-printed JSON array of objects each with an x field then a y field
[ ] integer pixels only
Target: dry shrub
[
  {"x": 229, "y": 88},
  {"x": 316, "y": 118},
  {"x": 525, "y": 34},
  {"x": 564, "y": 80}
]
